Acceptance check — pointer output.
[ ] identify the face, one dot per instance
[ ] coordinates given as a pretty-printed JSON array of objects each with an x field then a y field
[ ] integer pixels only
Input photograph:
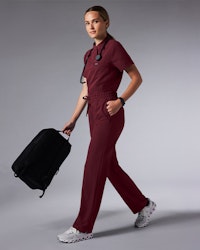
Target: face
[{"x": 96, "y": 27}]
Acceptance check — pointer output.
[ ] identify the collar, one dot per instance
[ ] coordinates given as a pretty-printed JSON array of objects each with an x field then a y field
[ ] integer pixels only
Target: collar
[{"x": 102, "y": 43}]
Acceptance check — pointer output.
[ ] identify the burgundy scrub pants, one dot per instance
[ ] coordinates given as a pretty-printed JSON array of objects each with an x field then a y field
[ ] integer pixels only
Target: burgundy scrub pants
[{"x": 101, "y": 163}]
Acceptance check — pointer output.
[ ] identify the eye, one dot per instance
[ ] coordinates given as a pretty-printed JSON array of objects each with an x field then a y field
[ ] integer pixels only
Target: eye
[
  {"x": 86, "y": 23},
  {"x": 95, "y": 21}
]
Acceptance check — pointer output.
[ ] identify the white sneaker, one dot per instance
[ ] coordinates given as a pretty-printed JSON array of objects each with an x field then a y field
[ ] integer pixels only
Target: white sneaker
[
  {"x": 72, "y": 235},
  {"x": 144, "y": 215}
]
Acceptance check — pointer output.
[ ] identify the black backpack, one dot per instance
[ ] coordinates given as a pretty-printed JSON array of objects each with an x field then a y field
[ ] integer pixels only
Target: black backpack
[{"x": 41, "y": 159}]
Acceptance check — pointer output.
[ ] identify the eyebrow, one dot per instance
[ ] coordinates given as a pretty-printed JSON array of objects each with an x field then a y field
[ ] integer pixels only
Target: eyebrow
[{"x": 95, "y": 19}]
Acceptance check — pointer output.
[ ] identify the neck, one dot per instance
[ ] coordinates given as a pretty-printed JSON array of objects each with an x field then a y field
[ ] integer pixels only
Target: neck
[{"x": 98, "y": 41}]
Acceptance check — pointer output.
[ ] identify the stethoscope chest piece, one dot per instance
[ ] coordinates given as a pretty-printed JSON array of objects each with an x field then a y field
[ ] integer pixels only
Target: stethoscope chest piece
[{"x": 98, "y": 57}]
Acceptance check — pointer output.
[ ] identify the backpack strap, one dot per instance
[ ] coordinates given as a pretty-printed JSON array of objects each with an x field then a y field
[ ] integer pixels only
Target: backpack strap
[{"x": 43, "y": 191}]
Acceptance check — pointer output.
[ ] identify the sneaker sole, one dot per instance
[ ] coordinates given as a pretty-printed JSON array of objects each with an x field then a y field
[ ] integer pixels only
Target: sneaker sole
[{"x": 89, "y": 236}]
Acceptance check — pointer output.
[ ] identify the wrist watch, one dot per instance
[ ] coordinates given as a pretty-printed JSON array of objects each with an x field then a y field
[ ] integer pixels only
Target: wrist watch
[{"x": 122, "y": 100}]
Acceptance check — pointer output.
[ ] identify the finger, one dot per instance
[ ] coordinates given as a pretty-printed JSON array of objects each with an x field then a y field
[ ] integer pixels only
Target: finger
[
  {"x": 108, "y": 103},
  {"x": 68, "y": 133},
  {"x": 65, "y": 129}
]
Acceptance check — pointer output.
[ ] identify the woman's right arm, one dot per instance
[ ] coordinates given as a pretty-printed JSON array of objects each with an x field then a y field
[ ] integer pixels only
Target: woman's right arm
[{"x": 81, "y": 103}]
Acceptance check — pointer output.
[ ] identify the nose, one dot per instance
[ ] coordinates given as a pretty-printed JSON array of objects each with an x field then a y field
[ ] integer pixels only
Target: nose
[{"x": 91, "y": 26}]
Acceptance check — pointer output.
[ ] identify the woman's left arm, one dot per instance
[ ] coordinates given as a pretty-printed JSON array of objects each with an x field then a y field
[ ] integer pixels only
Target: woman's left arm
[{"x": 136, "y": 79}]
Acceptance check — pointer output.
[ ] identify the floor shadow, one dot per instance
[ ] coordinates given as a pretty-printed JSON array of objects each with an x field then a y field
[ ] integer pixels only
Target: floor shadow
[
  {"x": 162, "y": 219},
  {"x": 117, "y": 231},
  {"x": 175, "y": 218}
]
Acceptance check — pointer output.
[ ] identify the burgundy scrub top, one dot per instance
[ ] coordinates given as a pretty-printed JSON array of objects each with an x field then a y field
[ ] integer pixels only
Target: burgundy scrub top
[{"x": 105, "y": 75}]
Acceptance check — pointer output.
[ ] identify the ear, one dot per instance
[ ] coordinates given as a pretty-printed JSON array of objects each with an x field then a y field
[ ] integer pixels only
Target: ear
[{"x": 107, "y": 24}]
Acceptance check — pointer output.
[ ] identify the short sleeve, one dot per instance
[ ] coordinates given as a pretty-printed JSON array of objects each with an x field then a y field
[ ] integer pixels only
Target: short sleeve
[
  {"x": 85, "y": 58},
  {"x": 120, "y": 57}
]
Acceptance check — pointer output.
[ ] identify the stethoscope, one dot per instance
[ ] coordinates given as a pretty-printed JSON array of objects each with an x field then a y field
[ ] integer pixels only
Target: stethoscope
[{"x": 98, "y": 57}]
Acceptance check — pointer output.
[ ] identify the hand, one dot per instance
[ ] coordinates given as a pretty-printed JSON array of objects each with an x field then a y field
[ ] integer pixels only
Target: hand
[
  {"x": 68, "y": 127},
  {"x": 113, "y": 106}
]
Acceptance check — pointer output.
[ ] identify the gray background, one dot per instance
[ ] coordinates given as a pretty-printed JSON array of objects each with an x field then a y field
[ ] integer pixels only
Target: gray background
[{"x": 42, "y": 44}]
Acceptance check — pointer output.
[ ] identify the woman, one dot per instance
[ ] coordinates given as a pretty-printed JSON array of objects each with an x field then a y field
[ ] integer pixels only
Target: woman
[{"x": 102, "y": 74}]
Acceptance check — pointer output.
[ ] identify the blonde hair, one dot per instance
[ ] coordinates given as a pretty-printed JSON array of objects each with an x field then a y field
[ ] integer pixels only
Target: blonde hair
[{"x": 102, "y": 12}]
